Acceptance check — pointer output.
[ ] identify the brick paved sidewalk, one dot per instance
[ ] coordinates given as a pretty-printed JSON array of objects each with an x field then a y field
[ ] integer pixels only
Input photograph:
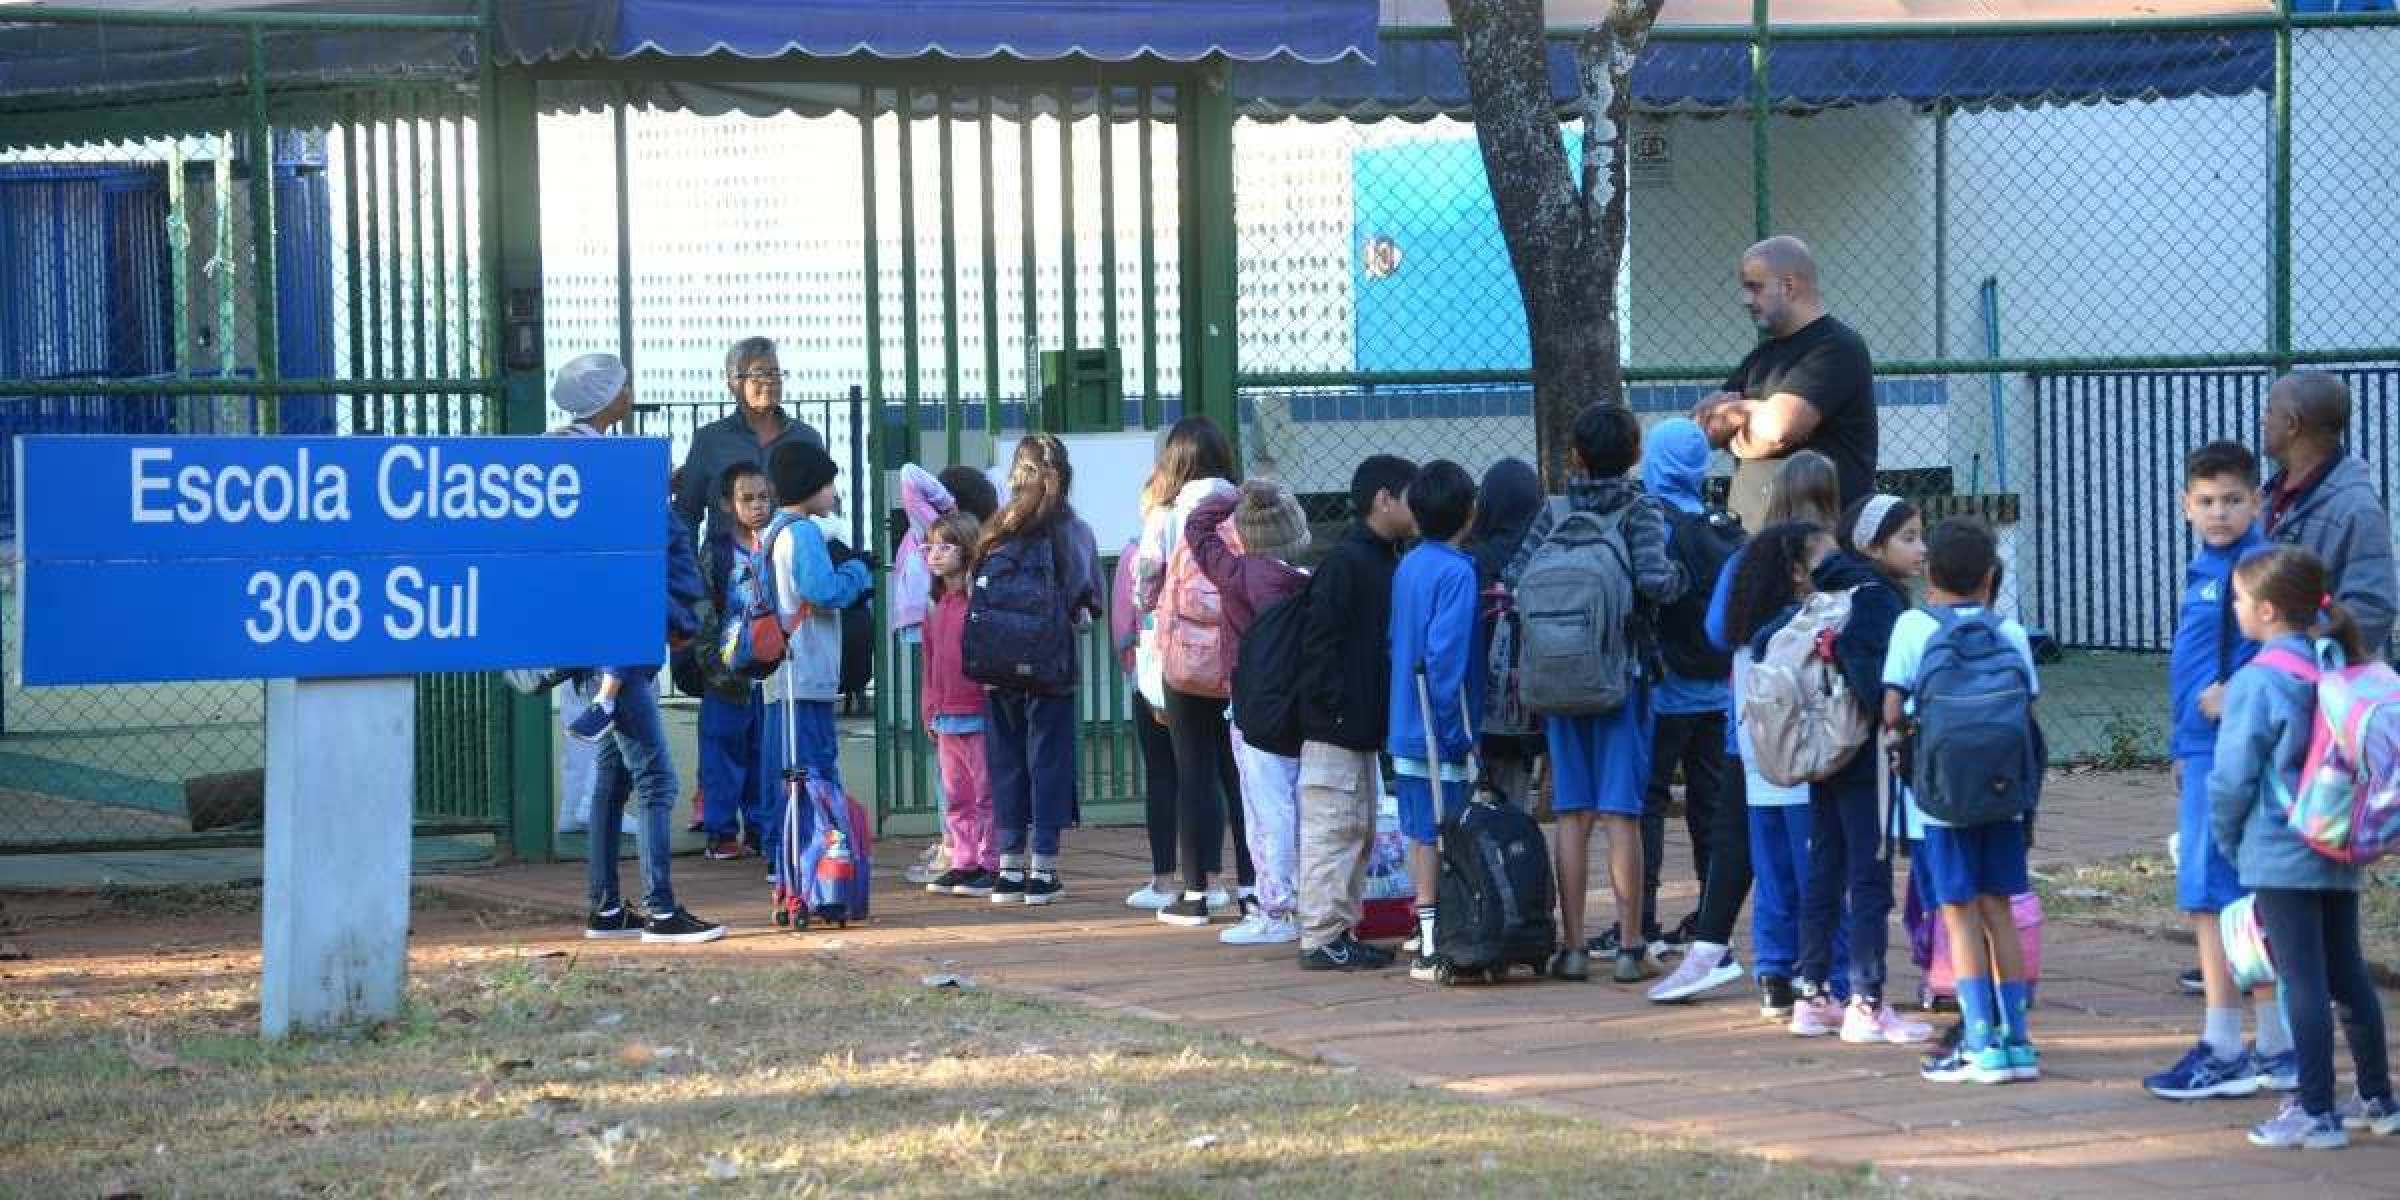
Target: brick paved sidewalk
[{"x": 2108, "y": 1014}]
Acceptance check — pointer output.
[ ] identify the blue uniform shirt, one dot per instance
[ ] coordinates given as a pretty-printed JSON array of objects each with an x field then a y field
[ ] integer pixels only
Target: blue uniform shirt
[{"x": 2194, "y": 665}]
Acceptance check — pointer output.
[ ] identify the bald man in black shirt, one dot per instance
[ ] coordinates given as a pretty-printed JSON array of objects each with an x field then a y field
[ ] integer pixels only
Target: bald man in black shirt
[{"x": 1809, "y": 386}]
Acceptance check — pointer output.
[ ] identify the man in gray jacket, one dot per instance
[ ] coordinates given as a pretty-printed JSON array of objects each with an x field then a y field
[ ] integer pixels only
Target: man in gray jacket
[
  {"x": 749, "y": 433},
  {"x": 2324, "y": 498}
]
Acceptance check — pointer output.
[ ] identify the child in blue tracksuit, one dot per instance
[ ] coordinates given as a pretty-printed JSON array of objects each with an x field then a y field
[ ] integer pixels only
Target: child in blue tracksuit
[
  {"x": 1600, "y": 764},
  {"x": 1434, "y": 609},
  {"x": 810, "y": 594},
  {"x": 2307, "y": 903},
  {"x": 733, "y": 795},
  {"x": 2221, "y": 500}
]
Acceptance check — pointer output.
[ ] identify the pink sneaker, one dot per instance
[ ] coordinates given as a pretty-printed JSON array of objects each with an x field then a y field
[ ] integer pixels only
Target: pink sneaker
[
  {"x": 1816, "y": 1016},
  {"x": 1868, "y": 1024}
]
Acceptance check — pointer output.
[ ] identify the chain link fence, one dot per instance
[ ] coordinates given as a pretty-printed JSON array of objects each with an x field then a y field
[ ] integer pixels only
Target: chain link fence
[
  {"x": 2075, "y": 254},
  {"x": 187, "y": 254}
]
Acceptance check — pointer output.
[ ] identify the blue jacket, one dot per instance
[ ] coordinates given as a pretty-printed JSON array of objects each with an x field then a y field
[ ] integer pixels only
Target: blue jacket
[
  {"x": 2199, "y": 623},
  {"x": 684, "y": 587},
  {"x": 1675, "y": 458},
  {"x": 2268, "y": 717},
  {"x": 1433, "y": 626},
  {"x": 1719, "y": 599}
]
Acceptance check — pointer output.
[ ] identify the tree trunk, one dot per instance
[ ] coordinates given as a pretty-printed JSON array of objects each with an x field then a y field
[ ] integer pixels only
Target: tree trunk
[{"x": 1565, "y": 236}]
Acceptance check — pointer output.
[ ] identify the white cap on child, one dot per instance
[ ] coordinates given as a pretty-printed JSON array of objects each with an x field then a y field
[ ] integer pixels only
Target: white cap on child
[{"x": 587, "y": 384}]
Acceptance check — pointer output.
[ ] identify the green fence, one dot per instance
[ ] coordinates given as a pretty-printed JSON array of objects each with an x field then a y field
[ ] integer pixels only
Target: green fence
[
  {"x": 218, "y": 234},
  {"x": 2076, "y": 252}
]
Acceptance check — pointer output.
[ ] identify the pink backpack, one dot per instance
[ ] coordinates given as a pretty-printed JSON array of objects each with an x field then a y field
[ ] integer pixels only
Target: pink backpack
[
  {"x": 2347, "y": 806},
  {"x": 1196, "y": 651}
]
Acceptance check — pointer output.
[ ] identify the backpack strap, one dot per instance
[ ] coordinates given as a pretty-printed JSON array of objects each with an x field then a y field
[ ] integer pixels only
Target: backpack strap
[
  {"x": 2297, "y": 666},
  {"x": 2225, "y": 626}
]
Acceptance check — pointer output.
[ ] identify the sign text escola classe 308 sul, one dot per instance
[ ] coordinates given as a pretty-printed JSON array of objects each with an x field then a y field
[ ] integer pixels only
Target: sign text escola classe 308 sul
[{"x": 169, "y": 558}]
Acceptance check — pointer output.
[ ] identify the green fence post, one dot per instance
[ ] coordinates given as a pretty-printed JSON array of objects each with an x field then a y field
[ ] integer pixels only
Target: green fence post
[
  {"x": 951, "y": 419},
  {"x": 624, "y": 233},
  {"x": 510, "y": 179},
  {"x": 1209, "y": 252},
  {"x": 2282, "y": 215},
  {"x": 1762, "y": 217},
  {"x": 262, "y": 231}
]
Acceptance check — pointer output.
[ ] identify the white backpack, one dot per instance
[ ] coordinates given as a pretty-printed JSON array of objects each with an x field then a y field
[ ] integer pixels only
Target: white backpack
[{"x": 1801, "y": 717}]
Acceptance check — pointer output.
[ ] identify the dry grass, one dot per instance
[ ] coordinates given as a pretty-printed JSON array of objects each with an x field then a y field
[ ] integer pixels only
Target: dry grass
[
  {"x": 528, "y": 1072},
  {"x": 2138, "y": 892}
]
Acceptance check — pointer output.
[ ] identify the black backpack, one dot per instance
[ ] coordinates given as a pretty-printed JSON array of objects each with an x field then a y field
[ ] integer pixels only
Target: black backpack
[
  {"x": 1703, "y": 542},
  {"x": 1018, "y": 633},
  {"x": 1266, "y": 677},
  {"x": 858, "y": 626},
  {"x": 1496, "y": 892}
]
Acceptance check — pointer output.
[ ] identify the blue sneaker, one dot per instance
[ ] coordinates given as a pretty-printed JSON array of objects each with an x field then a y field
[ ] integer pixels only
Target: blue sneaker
[
  {"x": 2379, "y": 1116},
  {"x": 2024, "y": 1062},
  {"x": 2279, "y": 1072},
  {"x": 2294, "y": 1129},
  {"x": 2201, "y": 1075},
  {"x": 592, "y": 724}
]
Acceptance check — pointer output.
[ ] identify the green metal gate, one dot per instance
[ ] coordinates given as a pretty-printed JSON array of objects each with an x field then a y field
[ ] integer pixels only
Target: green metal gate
[{"x": 231, "y": 245}]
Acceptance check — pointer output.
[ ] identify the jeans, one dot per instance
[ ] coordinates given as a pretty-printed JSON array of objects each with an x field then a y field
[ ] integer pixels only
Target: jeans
[
  {"x": 1844, "y": 862},
  {"x": 632, "y": 763},
  {"x": 731, "y": 784},
  {"x": 1694, "y": 742},
  {"x": 1158, "y": 784},
  {"x": 1208, "y": 790},
  {"x": 1778, "y": 837},
  {"x": 1727, "y": 883},
  {"x": 801, "y": 732},
  {"x": 2319, "y": 964},
  {"x": 1029, "y": 745}
]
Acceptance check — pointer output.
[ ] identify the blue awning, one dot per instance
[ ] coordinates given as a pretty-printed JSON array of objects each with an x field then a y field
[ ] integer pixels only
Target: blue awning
[
  {"x": 1294, "y": 31},
  {"x": 1418, "y": 79}
]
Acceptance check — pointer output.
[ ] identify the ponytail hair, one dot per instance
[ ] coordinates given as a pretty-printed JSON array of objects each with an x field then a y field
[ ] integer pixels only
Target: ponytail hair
[
  {"x": 1039, "y": 479},
  {"x": 1762, "y": 583},
  {"x": 1870, "y": 521},
  {"x": 2294, "y": 582}
]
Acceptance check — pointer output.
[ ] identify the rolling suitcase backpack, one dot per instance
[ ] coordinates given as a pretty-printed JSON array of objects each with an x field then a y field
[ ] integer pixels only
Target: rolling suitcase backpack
[
  {"x": 1496, "y": 889},
  {"x": 824, "y": 861}
]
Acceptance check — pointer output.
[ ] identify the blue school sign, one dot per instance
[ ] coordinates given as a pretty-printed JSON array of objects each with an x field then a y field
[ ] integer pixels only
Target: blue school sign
[{"x": 174, "y": 558}]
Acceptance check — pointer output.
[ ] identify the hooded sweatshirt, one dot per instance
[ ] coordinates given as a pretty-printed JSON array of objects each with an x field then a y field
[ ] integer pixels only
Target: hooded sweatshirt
[
  {"x": 1504, "y": 509},
  {"x": 1861, "y": 648},
  {"x": 1674, "y": 461}
]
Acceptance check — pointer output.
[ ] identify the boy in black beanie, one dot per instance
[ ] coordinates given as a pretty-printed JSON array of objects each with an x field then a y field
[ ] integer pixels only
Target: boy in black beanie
[{"x": 810, "y": 594}]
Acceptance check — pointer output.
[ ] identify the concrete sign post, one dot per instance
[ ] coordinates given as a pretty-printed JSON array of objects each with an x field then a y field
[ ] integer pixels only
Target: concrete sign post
[{"x": 337, "y": 568}]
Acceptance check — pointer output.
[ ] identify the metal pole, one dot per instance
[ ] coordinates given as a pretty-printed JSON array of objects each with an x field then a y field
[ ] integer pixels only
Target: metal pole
[
  {"x": 262, "y": 227},
  {"x": 624, "y": 237},
  {"x": 1941, "y": 229},
  {"x": 887, "y": 701},
  {"x": 1761, "y": 110},
  {"x": 951, "y": 420},
  {"x": 2282, "y": 123},
  {"x": 911, "y": 382},
  {"x": 991, "y": 278},
  {"x": 1066, "y": 221},
  {"x": 179, "y": 246},
  {"x": 1149, "y": 268},
  {"x": 416, "y": 249}
]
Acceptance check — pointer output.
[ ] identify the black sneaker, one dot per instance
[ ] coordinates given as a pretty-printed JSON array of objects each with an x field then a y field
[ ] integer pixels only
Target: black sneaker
[
  {"x": 974, "y": 883},
  {"x": 592, "y": 724},
  {"x": 1429, "y": 968},
  {"x": 946, "y": 883},
  {"x": 1683, "y": 933},
  {"x": 679, "y": 927},
  {"x": 1603, "y": 946},
  {"x": 1009, "y": 888},
  {"x": 1345, "y": 953},
  {"x": 2191, "y": 983},
  {"x": 1775, "y": 998},
  {"x": 614, "y": 923},
  {"x": 1041, "y": 889},
  {"x": 1191, "y": 912}
]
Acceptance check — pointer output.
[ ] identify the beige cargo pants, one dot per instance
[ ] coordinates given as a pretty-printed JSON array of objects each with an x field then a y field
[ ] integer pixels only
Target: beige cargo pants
[{"x": 1338, "y": 789}]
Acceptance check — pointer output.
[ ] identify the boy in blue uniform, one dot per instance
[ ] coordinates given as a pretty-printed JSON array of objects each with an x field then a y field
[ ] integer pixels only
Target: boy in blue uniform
[
  {"x": 1434, "y": 598},
  {"x": 1971, "y": 871},
  {"x": 2221, "y": 500}
]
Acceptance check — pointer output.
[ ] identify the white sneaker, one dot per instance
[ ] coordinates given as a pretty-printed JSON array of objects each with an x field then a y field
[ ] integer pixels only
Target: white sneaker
[
  {"x": 1866, "y": 1024},
  {"x": 1150, "y": 899},
  {"x": 929, "y": 865},
  {"x": 1704, "y": 969},
  {"x": 1262, "y": 930},
  {"x": 1219, "y": 899}
]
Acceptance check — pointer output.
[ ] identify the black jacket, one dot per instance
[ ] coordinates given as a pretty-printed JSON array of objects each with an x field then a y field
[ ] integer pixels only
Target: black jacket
[{"x": 1345, "y": 655}]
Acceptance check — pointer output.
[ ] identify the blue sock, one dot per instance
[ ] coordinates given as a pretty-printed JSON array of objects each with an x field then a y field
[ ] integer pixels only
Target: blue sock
[
  {"x": 2012, "y": 1011},
  {"x": 1977, "y": 1003}
]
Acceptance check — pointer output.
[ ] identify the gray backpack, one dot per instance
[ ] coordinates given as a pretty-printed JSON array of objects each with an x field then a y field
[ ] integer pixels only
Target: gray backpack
[
  {"x": 1575, "y": 608},
  {"x": 1796, "y": 706}
]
